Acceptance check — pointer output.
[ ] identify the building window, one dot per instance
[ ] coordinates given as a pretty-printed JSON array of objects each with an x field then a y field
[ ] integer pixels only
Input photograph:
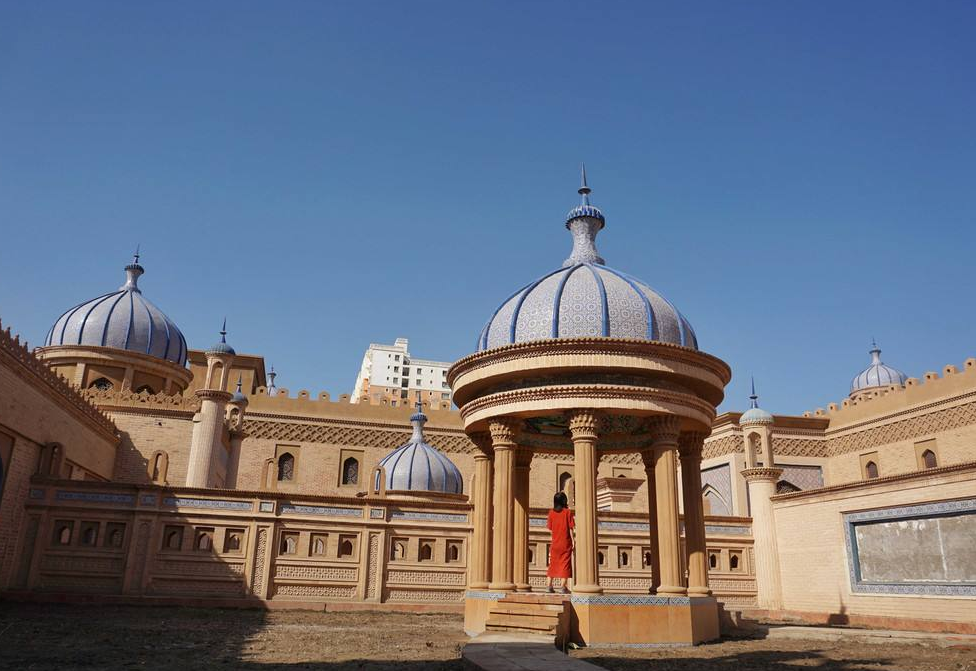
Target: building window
[
  {"x": 418, "y": 383},
  {"x": 929, "y": 460},
  {"x": 531, "y": 556},
  {"x": 396, "y": 357},
  {"x": 426, "y": 551},
  {"x": 160, "y": 465},
  {"x": 396, "y": 369},
  {"x": 871, "y": 470},
  {"x": 89, "y": 533},
  {"x": 102, "y": 384},
  {"x": 648, "y": 560},
  {"x": 289, "y": 544},
  {"x": 233, "y": 540},
  {"x": 318, "y": 544},
  {"x": 396, "y": 380},
  {"x": 204, "y": 540},
  {"x": 114, "y": 535},
  {"x": 286, "y": 467},
  {"x": 600, "y": 558},
  {"x": 62, "y": 532},
  {"x": 735, "y": 561},
  {"x": 624, "y": 559},
  {"x": 350, "y": 471},
  {"x": 713, "y": 560},
  {"x": 345, "y": 547},
  {"x": 172, "y": 538},
  {"x": 454, "y": 551},
  {"x": 398, "y": 550}
]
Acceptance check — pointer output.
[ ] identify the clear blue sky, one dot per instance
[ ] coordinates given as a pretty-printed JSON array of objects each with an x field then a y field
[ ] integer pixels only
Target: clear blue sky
[{"x": 795, "y": 177}]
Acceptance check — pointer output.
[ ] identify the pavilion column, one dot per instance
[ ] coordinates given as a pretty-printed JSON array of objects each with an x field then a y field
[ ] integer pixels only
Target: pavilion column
[
  {"x": 582, "y": 427},
  {"x": 665, "y": 431},
  {"x": 503, "y": 433},
  {"x": 520, "y": 521},
  {"x": 647, "y": 456},
  {"x": 689, "y": 450},
  {"x": 480, "y": 563},
  {"x": 761, "y": 482}
]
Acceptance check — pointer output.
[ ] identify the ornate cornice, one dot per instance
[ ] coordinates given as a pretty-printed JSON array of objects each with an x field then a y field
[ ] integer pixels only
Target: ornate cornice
[
  {"x": 362, "y": 434},
  {"x": 944, "y": 419},
  {"x": 762, "y": 474},
  {"x": 213, "y": 395}
]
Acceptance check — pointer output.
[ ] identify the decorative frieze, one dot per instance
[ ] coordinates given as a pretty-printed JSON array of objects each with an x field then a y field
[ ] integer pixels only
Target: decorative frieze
[
  {"x": 363, "y": 435},
  {"x": 316, "y": 591},
  {"x": 316, "y": 572},
  {"x": 329, "y": 511},
  {"x": 216, "y": 504},
  {"x": 425, "y": 596},
  {"x": 96, "y": 497},
  {"x": 425, "y": 578},
  {"x": 208, "y": 568}
]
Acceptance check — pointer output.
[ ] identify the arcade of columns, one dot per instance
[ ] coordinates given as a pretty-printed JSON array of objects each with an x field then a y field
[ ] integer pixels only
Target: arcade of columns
[{"x": 501, "y": 499}]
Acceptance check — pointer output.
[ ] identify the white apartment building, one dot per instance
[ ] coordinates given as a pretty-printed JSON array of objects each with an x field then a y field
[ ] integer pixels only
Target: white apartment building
[{"x": 390, "y": 376}]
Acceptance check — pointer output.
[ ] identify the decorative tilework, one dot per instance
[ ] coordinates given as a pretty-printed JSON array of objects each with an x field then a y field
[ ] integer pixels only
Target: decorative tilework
[
  {"x": 266, "y": 506},
  {"x": 427, "y": 517},
  {"x": 804, "y": 477},
  {"x": 96, "y": 497},
  {"x": 537, "y": 521},
  {"x": 487, "y": 596},
  {"x": 625, "y": 526},
  {"x": 183, "y": 502},
  {"x": 377, "y": 513},
  {"x": 36, "y": 493},
  {"x": 332, "y": 511},
  {"x": 927, "y": 510},
  {"x": 722, "y": 530},
  {"x": 717, "y": 486},
  {"x": 147, "y": 500},
  {"x": 630, "y": 600}
]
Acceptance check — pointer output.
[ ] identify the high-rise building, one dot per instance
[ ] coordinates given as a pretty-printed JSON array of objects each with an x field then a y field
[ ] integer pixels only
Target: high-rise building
[{"x": 390, "y": 376}]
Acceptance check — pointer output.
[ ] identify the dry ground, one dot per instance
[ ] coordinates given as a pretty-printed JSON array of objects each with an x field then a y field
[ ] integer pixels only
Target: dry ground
[
  {"x": 785, "y": 655},
  {"x": 64, "y": 637}
]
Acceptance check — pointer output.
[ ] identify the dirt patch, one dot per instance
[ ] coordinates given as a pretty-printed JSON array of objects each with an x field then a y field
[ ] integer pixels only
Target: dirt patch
[
  {"x": 45, "y": 636},
  {"x": 788, "y": 655}
]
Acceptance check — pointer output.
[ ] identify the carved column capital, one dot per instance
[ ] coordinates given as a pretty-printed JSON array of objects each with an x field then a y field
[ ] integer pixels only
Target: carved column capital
[
  {"x": 504, "y": 431},
  {"x": 482, "y": 441},
  {"x": 664, "y": 431},
  {"x": 583, "y": 424},
  {"x": 690, "y": 444},
  {"x": 762, "y": 474}
]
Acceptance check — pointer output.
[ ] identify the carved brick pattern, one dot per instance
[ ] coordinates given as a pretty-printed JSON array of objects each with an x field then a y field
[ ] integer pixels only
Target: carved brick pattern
[
  {"x": 626, "y": 583},
  {"x": 197, "y": 587},
  {"x": 737, "y": 599},
  {"x": 261, "y": 551},
  {"x": 85, "y": 564},
  {"x": 800, "y": 447},
  {"x": 425, "y": 596},
  {"x": 945, "y": 419},
  {"x": 318, "y": 591},
  {"x": 315, "y": 572},
  {"x": 160, "y": 401},
  {"x": 30, "y": 539},
  {"x": 372, "y": 567},
  {"x": 361, "y": 436},
  {"x": 424, "y": 578},
  {"x": 732, "y": 584},
  {"x": 212, "y": 568},
  {"x": 720, "y": 446},
  {"x": 88, "y": 583}
]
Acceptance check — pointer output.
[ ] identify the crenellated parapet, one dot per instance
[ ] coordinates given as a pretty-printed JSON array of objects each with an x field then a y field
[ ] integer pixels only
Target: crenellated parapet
[
  {"x": 111, "y": 398},
  {"x": 18, "y": 356}
]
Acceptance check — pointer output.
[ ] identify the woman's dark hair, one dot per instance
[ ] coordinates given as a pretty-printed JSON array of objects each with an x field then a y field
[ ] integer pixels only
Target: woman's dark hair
[{"x": 559, "y": 501}]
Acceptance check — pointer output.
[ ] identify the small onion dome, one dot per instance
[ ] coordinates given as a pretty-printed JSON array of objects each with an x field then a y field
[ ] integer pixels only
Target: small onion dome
[
  {"x": 222, "y": 347},
  {"x": 755, "y": 414},
  {"x": 585, "y": 299},
  {"x": 877, "y": 374},
  {"x": 418, "y": 466},
  {"x": 123, "y": 319},
  {"x": 239, "y": 396}
]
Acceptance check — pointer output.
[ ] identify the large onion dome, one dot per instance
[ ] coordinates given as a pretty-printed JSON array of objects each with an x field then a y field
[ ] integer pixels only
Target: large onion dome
[
  {"x": 877, "y": 374},
  {"x": 586, "y": 298},
  {"x": 418, "y": 466},
  {"x": 124, "y": 319},
  {"x": 755, "y": 414}
]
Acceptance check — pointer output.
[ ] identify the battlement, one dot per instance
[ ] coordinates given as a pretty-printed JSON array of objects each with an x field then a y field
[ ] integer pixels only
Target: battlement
[
  {"x": 131, "y": 399},
  {"x": 894, "y": 398},
  {"x": 16, "y": 353}
]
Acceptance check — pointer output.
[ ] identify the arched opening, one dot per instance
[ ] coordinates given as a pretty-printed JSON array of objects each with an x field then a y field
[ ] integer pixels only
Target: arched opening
[
  {"x": 102, "y": 384},
  {"x": 426, "y": 552},
  {"x": 785, "y": 487},
  {"x": 564, "y": 479},
  {"x": 712, "y": 560},
  {"x": 318, "y": 546},
  {"x": 350, "y": 471},
  {"x": 713, "y": 503},
  {"x": 531, "y": 556},
  {"x": 54, "y": 460},
  {"x": 204, "y": 541},
  {"x": 454, "y": 553},
  {"x": 174, "y": 539},
  {"x": 648, "y": 560},
  {"x": 398, "y": 551},
  {"x": 115, "y": 539},
  {"x": 289, "y": 544},
  {"x": 64, "y": 535},
  {"x": 233, "y": 541},
  {"x": 929, "y": 459},
  {"x": 624, "y": 559},
  {"x": 345, "y": 548},
  {"x": 160, "y": 464},
  {"x": 871, "y": 470},
  {"x": 89, "y": 536},
  {"x": 145, "y": 388},
  {"x": 734, "y": 561},
  {"x": 600, "y": 558},
  {"x": 286, "y": 467}
]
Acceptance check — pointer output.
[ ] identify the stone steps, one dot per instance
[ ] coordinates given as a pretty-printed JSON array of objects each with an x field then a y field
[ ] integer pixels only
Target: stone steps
[{"x": 531, "y": 613}]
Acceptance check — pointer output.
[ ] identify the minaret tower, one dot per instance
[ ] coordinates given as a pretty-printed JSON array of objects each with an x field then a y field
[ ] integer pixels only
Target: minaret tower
[
  {"x": 235, "y": 426},
  {"x": 208, "y": 457},
  {"x": 757, "y": 430}
]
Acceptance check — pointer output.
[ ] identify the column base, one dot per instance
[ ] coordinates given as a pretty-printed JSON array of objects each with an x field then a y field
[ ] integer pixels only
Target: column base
[
  {"x": 587, "y": 589},
  {"x": 482, "y": 584},
  {"x": 671, "y": 590},
  {"x": 523, "y": 587},
  {"x": 699, "y": 591},
  {"x": 502, "y": 586}
]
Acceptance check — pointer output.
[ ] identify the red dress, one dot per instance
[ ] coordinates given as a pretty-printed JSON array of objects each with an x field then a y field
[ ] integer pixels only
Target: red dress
[{"x": 561, "y": 549}]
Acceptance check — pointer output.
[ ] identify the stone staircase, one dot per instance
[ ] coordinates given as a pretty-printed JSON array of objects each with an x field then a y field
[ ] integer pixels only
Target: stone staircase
[{"x": 532, "y": 613}]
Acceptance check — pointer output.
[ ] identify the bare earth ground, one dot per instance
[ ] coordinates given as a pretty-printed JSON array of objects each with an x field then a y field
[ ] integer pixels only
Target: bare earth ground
[
  {"x": 785, "y": 655},
  {"x": 46, "y": 636}
]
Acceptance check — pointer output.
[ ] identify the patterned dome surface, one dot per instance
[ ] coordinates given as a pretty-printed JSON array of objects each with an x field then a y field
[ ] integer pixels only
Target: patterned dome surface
[
  {"x": 586, "y": 298},
  {"x": 123, "y": 319},
  {"x": 418, "y": 466},
  {"x": 755, "y": 414},
  {"x": 877, "y": 374}
]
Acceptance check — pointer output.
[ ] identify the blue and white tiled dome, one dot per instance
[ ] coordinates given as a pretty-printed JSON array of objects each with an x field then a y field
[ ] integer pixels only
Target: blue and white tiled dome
[
  {"x": 755, "y": 414},
  {"x": 123, "y": 319},
  {"x": 420, "y": 467},
  {"x": 877, "y": 374},
  {"x": 586, "y": 298}
]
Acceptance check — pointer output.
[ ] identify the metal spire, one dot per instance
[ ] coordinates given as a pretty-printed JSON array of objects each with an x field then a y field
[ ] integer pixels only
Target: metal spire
[
  {"x": 272, "y": 389},
  {"x": 223, "y": 331},
  {"x": 584, "y": 190},
  {"x": 135, "y": 258},
  {"x": 754, "y": 398},
  {"x": 240, "y": 380}
]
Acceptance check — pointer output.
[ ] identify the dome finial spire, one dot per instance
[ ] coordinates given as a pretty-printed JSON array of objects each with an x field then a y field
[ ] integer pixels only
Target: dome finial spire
[
  {"x": 135, "y": 257},
  {"x": 584, "y": 190},
  {"x": 272, "y": 389},
  {"x": 875, "y": 352},
  {"x": 754, "y": 397},
  {"x": 584, "y": 221},
  {"x": 132, "y": 273},
  {"x": 418, "y": 419},
  {"x": 223, "y": 331}
]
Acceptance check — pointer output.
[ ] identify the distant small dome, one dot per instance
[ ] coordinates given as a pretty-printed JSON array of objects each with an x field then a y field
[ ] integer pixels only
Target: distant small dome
[
  {"x": 418, "y": 466},
  {"x": 877, "y": 374},
  {"x": 272, "y": 389},
  {"x": 222, "y": 347},
  {"x": 124, "y": 320},
  {"x": 239, "y": 396},
  {"x": 586, "y": 299},
  {"x": 755, "y": 414}
]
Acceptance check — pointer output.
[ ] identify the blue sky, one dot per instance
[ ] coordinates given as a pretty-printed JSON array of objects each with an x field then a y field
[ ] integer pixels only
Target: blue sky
[{"x": 796, "y": 177}]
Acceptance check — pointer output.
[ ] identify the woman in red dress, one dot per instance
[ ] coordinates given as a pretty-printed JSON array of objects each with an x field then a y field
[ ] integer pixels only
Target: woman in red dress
[{"x": 560, "y": 523}]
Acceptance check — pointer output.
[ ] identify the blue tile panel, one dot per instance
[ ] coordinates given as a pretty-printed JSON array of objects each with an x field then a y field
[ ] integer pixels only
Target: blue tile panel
[
  {"x": 217, "y": 504},
  {"x": 630, "y": 600},
  {"x": 331, "y": 511},
  {"x": 427, "y": 517},
  {"x": 926, "y": 510},
  {"x": 96, "y": 497},
  {"x": 148, "y": 500},
  {"x": 377, "y": 513},
  {"x": 487, "y": 596},
  {"x": 266, "y": 506},
  {"x": 36, "y": 493}
]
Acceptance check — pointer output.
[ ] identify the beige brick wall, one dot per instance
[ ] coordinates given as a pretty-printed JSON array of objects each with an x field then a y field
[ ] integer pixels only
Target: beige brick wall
[
  {"x": 813, "y": 555},
  {"x": 145, "y": 433}
]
